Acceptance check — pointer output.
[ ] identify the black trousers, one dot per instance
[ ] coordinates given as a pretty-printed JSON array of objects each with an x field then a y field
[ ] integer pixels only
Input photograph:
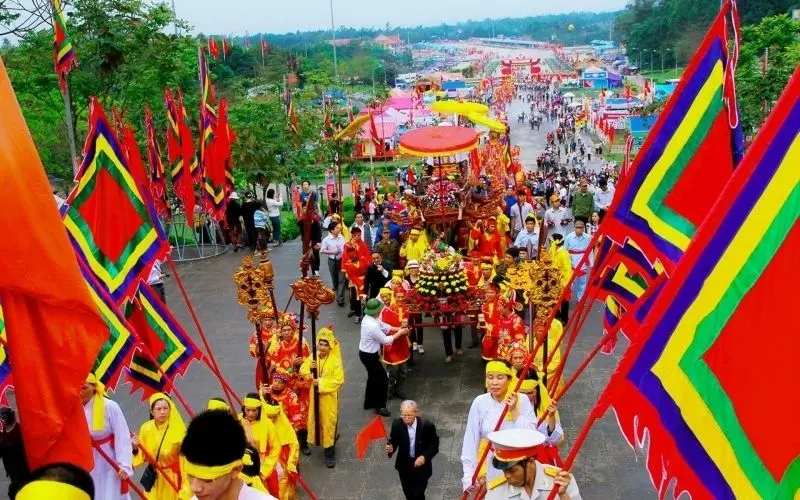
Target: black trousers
[
  {"x": 159, "y": 289},
  {"x": 377, "y": 389},
  {"x": 414, "y": 484},
  {"x": 447, "y": 338},
  {"x": 355, "y": 302}
]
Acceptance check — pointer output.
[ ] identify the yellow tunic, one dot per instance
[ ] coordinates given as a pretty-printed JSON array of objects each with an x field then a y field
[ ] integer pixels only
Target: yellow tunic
[
  {"x": 265, "y": 437},
  {"x": 149, "y": 438},
  {"x": 560, "y": 259},
  {"x": 331, "y": 378},
  {"x": 289, "y": 455},
  {"x": 553, "y": 354}
]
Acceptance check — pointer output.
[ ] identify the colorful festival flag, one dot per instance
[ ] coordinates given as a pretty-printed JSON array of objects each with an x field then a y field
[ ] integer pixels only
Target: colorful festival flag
[
  {"x": 5, "y": 366},
  {"x": 264, "y": 48},
  {"x": 687, "y": 157},
  {"x": 710, "y": 349},
  {"x": 63, "y": 52},
  {"x": 171, "y": 347},
  {"x": 117, "y": 351},
  {"x": 177, "y": 148},
  {"x": 291, "y": 116},
  {"x": 208, "y": 115},
  {"x": 188, "y": 150},
  {"x": 112, "y": 227},
  {"x": 156, "y": 174},
  {"x": 213, "y": 49},
  {"x": 226, "y": 139},
  {"x": 53, "y": 329},
  {"x": 246, "y": 40}
]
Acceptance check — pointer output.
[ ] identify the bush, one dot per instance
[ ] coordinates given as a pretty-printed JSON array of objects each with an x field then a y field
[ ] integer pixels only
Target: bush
[{"x": 289, "y": 228}]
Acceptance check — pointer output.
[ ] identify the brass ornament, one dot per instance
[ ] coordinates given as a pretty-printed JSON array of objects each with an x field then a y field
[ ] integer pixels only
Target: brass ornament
[
  {"x": 313, "y": 293},
  {"x": 539, "y": 282},
  {"x": 253, "y": 284}
]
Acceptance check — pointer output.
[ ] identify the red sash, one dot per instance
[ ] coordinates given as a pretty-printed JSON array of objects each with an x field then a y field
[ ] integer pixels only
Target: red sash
[{"x": 123, "y": 485}]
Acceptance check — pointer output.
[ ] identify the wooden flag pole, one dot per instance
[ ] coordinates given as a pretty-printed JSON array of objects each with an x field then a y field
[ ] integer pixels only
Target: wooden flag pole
[
  {"x": 70, "y": 126},
  {"x": 135, "y": 487},
  {"x": 152, "y": 461}
]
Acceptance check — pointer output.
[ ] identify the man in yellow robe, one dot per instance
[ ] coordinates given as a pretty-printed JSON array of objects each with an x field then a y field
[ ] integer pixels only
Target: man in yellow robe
[
  {"x": 330, "y": 378},
  {"x": 415, "y": 246}
]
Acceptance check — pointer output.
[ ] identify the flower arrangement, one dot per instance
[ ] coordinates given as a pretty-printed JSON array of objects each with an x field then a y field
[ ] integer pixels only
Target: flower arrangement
[{"x": 441, "y": 193}]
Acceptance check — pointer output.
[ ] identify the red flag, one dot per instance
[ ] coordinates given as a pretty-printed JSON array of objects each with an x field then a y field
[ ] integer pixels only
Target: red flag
[
  {"x": 587, "y": 84},
  {"x": 213, "y": 49},
  {"x": 226, "y": 48},
  {"x": 373, "y": 132},
  {"x": 264, "y": 47},
  {"x": 627, "y": 91},
  {"x": 54, "y": 329},
  {"x": 133, "y": 155},
  {"x": 371, "y": 432},
  {"x": 647, "y": 89}
]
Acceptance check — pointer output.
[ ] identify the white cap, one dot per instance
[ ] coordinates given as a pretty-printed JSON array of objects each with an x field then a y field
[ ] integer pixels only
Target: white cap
[
  {"x": 234, "y": 195},
  {"x": 514, "y": 445}
]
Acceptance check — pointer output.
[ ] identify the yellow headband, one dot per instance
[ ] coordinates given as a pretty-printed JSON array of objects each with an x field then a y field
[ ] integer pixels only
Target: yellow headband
[
  {"x": 51, "y": 489},
  {"x": 271, "y": 410},
  {"x": 209, "y": 473},
  {"x": 252, "y": 403},
  {"x": 386, "y": 290},
  {"x": 214, "y": 404},
  {"x": 528, "y": 385},
  {"x": 157, "y": 396},
  {"x": 414, "y": 231},
  {"x": 498, "y": 367},
  {"x": 98, "y": 405}
]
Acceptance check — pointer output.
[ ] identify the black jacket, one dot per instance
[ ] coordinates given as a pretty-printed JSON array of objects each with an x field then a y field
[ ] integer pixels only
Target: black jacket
[
  {"x": 375, "y": 280},
  {"x": 426, "y": 444}
]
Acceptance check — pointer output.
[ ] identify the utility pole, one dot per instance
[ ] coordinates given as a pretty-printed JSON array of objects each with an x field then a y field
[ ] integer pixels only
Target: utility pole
[
  {"x": 333, "y": 42},
  {"x": 175, "y": 15}
]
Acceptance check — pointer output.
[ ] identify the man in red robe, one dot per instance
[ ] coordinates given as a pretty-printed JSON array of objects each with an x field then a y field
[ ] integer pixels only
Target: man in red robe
[
  {"x": 355, "y": 261},
  {"x": 488, "y": 242}
]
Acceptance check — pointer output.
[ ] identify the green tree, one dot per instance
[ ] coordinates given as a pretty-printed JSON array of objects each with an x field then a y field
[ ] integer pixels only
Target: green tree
[{"x": 778, "y": 39}]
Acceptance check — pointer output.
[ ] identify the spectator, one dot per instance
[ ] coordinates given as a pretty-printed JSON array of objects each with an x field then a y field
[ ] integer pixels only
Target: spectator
[
  {"x": 233, "y": 213},
  {"x": 366, "y": 230},
  {"x": 333, "y": 247},
  {"x": 274, "y": 212},
  {"x": 12, "y": 451},
  {"x": 387, "y": 247},
  {"x": 519, "y": 213},
  {"x": 260, "y": 223},
  {"x": 603, "y": 198},
  {"x": 249, "y": 208},
  {"x": 416, "y": 442},
  {"x": 378, "y": 273},
  {"x": 583, "y": 202}
]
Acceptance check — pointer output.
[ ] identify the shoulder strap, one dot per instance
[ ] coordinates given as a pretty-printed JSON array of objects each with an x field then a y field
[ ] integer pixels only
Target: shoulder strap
[{"x": 158, "y": 453}]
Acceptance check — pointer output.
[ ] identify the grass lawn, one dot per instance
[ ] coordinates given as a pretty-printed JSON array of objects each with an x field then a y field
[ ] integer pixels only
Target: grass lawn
[{"x": 661, "y": 76}]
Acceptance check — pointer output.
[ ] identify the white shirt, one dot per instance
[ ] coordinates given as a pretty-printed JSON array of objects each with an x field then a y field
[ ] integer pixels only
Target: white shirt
[
  {"x": 519, "y": 214},
  {"x": 332, "y": 243},
  {"x": 412, "y": 436},
  {"x": 274, "y": 207},
  {"x": 155, "y": 274},
  {"x": 483, "y": 416},
  {"x": 248, "y": 493},
  {"x": 555, "y": 217},
  {"x": 577, "y": 246},
  {"x": 373, "y": 335},
  {"x": 602, "y": 199},
  {"x": 542, "y": 485}
]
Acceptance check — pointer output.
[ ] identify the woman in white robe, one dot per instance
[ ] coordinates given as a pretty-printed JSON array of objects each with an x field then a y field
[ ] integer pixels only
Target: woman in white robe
[
  {"x": 483, "y": 416},
  {"x": 109, "y": 430}
]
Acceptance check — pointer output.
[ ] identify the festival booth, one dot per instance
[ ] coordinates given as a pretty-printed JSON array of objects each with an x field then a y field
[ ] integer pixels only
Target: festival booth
[
  {"x": 385, "y": 131},
  {"x": 594, "y": 77}
]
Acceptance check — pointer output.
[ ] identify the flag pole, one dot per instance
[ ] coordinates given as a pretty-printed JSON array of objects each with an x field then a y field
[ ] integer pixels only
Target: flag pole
[{"x": 70, "y": 126}]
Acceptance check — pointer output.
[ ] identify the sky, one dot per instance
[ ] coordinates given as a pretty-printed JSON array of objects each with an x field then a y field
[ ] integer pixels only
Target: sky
[{"x": 280, "y": 16}]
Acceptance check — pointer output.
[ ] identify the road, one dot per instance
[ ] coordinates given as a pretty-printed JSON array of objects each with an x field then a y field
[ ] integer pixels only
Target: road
[{"x": 606, "y": 467}]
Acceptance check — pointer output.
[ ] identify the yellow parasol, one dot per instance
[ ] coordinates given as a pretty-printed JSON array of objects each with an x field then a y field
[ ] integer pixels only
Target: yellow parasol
[
  {"x": 459, "y": 108},
  {"x": 352, "y": 128},
  {"x": 494, "y": 125}
]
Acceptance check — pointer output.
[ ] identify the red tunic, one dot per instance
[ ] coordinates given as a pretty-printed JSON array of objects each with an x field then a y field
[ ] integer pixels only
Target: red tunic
[
  {"x": 490, "y": 340},
  {"x": 488, "y": 245},
  {"x": 295, "y": 408},
  {"x": 355, "y": 260},
  {"x": 510, "y": 329},
  {"x": 398, "y": 351},
  {"x": 266, "y": 337}
]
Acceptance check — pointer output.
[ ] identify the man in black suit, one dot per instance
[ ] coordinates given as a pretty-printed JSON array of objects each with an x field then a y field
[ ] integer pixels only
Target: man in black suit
[
  {"x": 379, "y": 273},
  {"x": 416, "y": 443}
]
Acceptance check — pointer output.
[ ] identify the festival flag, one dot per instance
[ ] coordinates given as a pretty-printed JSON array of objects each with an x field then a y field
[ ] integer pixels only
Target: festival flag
[
  {"x": 112, "y": 227},
  {"x": 178, "y": 144},
  {"x": 156, "y": 175},
  {"x": 115, "y": 354},
  {"x": 648, "y": 89},
  {"x": 291, "y": 116},
  {"x": 688, "y": 156},
  {"x": 131, "y": 153},
  {"x": 213, "y": 48},
  {"x": 5, "y": 366},
  {"x": 63, "y": 52},
  {"x": 53, "y": 329},
  {"x": 246, "y": 41},
  {"x": 373, "y": 431},
  {"x": 710, "y": 348},
  {"x": 188, "y": 150},
  {"x": 226, "y": 48},
  {"x": 208, "y": 115},
  {"x": 264, "y": 47},
  {"x": 226, "y": 139},
  {"x": 215, "y": 175},
  {"x": 588, "y": 84},
  {"x": 163, "y": 337},
  {"x": 327, "y": 127},
  {"x": 377, "y": 142}
]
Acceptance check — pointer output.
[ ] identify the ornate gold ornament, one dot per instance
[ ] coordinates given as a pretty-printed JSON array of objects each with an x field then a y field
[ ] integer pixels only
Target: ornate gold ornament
[
  {"x": 253, "y": 285},
  {"x": 540, "y": 284},
  {"x": 313, "y": 293}
]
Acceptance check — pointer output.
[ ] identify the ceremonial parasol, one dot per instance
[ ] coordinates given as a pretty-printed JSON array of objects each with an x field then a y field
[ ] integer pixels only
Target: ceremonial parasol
[
  {"x": 459, "y": 108},
  {"x": 353, "y": 127},
  {"x": 494, "y": 125},
  {"x": 438, "y": 141}
]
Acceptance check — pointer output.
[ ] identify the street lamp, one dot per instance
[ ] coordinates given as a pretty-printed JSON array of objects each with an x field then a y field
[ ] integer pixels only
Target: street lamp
[{"x": 662, "y": 58}]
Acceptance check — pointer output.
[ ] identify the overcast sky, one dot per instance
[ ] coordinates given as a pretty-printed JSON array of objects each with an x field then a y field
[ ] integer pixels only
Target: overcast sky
[{"x": 279, "y": 16}]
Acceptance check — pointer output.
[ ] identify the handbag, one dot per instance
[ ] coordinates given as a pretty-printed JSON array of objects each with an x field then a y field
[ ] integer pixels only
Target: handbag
[{"x": 149, "y": 476}]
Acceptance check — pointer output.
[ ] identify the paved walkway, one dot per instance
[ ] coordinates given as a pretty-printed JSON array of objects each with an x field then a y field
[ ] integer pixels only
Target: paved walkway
[{"x": 606, "y": 467}]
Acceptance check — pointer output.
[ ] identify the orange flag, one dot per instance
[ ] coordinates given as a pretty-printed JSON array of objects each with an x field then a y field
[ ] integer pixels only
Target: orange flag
[
  {"x": 371, "y": 432},
  {"x": 54, "y": 329}
]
